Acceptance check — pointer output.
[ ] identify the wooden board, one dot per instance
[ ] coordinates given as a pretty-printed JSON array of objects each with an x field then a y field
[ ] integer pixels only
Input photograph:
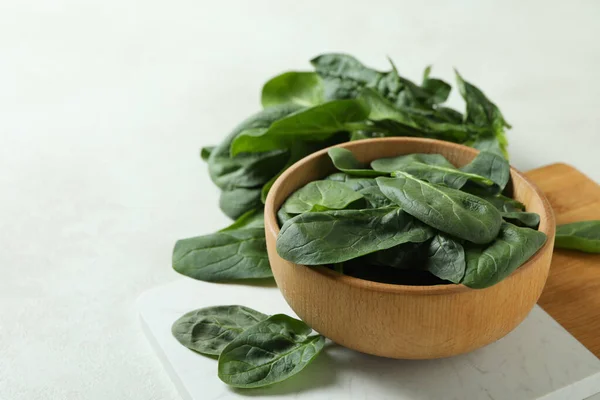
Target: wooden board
[{"x": 572, "y": 293}]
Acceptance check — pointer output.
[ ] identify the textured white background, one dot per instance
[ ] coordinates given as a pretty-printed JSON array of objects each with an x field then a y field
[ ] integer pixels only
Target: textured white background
[{"x": 104, "y": 104}]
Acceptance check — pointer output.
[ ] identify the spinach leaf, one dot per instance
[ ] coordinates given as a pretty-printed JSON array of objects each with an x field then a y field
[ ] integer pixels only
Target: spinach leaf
[
  {"x": 283, "y": 217},
  {"x": 392, "y": 164},
  {"x": 321, "y": 196},
  {"x": 356, "y": 183},
  {"x": 312, "y": 124},
  {"x": 248, "y": 170},
  {"x": 582, "y": 236},
  {"x": 491, "y": 166},
  {"x": 451, "y": 211},
  {"x": 330, "y": 237},
  {"x": 482, "y": 112},
  {"x": 528, "y": 219},
  {"x": 446, "y": 258},
  {"x": 438, "y": 89},
  {"x": 374, "y": 197},
  {"x": 448, "y": 176},
  {"x": 205, "y": 152},
  {"x": 411, "y": 122},
  {"x": 344, "y": 160},
  {"x": 250, "y": 219},
  {"x": 487, "y": 266},
  {"x": 489, "y": 144},
  {"x": 223, "y": 256},
  {"x": 238, "y": 201},
  {"x": 209, "y": 330},
  {"x": 501, "y": 202},
  {"x": 302, "y": 88},
  {"x": 269, "y": 352}
]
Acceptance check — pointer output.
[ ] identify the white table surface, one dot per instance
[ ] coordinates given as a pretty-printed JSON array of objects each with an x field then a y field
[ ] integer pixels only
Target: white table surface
[{"x": 104, "y": 105}]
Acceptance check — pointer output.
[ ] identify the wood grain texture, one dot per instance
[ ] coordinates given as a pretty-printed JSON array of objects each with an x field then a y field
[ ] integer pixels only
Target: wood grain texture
[
  {"x": 398, "y": 321},
  {"x": 572, "y": 293}
]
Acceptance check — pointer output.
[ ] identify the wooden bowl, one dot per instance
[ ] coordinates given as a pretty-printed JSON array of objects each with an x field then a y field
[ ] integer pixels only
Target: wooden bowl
[{"x": 398, "y": 321}]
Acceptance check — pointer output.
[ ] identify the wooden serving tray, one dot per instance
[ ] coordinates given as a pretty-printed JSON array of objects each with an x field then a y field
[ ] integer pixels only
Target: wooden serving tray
[{"x": 572, "y": 292}]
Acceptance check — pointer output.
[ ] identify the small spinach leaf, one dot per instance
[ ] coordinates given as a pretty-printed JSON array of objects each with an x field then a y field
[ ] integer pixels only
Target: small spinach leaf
[
  {"x": 392, "y": 164},
  {"x": 446, "y": 258},
  {"x": 451, "y": 211},
  {"x": 528, "y": 219},
  {"x": 312, "y": 124},
  {"x": 209, "y": 330},
  {"x": 302, "y": 88},
  {"x": 582, "y": 236},
  {"x": 438, "y": 89},
  {"x": 321, "y": 196},
  {"x": 250, "y": 219},
  {"x": 482, "y": 112},
  {"x": 487, "y": 266},
  {"x": 223, "y": 256},
  {"x": 344, "y": 160},
  {"x": 205, "y": 152},
  {"x": 374, "y": 197},
  {"x": 330, "y": 237},
  {"x": 269, "y": 352},
  {"x": 491, "y": 166}
]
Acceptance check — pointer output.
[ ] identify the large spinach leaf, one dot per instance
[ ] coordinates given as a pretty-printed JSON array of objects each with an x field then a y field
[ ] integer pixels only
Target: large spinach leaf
[
  {"x": 248, "y": 170},
  {"x": 487, "y": 266},
  {"x": 321, "y": 196},
  {"x": 313, "y": 124},
  {"x": 482, "y": 112},
  {"x": 302, "y": 88},
  {"x": 446, "y": 258},
  {"x": 582, "y": 236},
  {"x": 223, "y": 256},
  {"x": 344, "y": 160},
  {"x": 451, "y": 211},
  {"x": 269, "y": 352},
  {"x": 330, "y": 237},
  {"x": 209, "y": 330}
]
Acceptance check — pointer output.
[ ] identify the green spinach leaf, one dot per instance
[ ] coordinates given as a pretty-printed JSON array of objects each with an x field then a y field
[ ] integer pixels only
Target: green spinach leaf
[
  {"x": 321, "y": 196},
  {"x": 448, "y": 176},
  {"x": 313, "y": 124},
  {"x": 205, "y": 152},
  {"x": 487, "y": 266},
  {"x": 330, "y": 237},
  {"x": 446, "y": 258},
  {"x": 269, "y": 352},
  {"x": 582, "y": 236},
  {"x": 438, "y": 89},
  {"x": 302, "y": 88},
  {"x": 209, "y": 330},
  {"x": 374, "y": 197},
  {"x": 482, "y": 112},
  {"x": 237, "y": 201},
  {"x": 356, "y": 183},
  {"x": 250, "y": 219},
  {"x": 392, "y": 164},
  {"x": 451, "y": 211},
  {"x": 528, "y": 219},
  {"x": 344, "y": 160},
  {"x": 491, "y": 166},
  {"x": 223, "y": 256}
]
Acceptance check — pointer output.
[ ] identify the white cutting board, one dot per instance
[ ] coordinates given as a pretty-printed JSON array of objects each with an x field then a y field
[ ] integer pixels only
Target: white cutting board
[{"x": 538, "y": 360}]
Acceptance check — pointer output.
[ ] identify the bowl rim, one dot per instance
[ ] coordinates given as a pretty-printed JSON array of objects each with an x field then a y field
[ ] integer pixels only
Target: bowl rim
[{"x": 272, "y": 226}]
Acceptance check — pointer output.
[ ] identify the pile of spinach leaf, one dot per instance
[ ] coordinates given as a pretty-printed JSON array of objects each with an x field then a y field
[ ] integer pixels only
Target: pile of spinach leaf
[
  {"x": 414, "y": 215},
  {"x": 341, "y": 100}
]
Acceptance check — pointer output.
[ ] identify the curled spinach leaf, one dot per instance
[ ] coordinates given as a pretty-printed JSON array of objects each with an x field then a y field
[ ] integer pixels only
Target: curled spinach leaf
[
  {"x": 528, "y": 219},
  {"x": 487, "y": 266},
  {"x": 269, "y": 352},
  {"x": 491, "y": 166},
  {"x": 374, "y": 197},
  {"x": 330, "y": 237},
  {"x": 582, "y": 236},
  {"x": 344, "y": 160},
  {"x": 446, "y": 258},
  {"x": 302, "y": 88},
  {"x": 451, "y": 211},
  {"x": 209, "y": 330}
]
